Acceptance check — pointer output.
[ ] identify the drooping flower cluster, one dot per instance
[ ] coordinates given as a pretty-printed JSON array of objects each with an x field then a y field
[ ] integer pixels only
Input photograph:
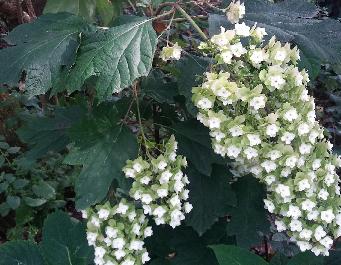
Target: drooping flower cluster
[
  {"x": 171, "y": 52},
  {"x": 160, "y": 185},
  {"x": 256, "y": 105},
  {"x": 117, "y": 234}
]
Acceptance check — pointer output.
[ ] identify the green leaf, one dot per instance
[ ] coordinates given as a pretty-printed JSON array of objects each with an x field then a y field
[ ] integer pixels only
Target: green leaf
[
  {"x": 102, "y": 146},
  {"x": 41, "y": 48},
  {"x": 249, "y": 217},
  {"x": 210, "y": 197},
  {"x": 319, "y": 40},
  {"x": 4, "y": 209},
  {"x": 44, "y": 190},
  {"x": 4, "y": 145},
  {"x": 114, "y": 57},
  {"x": 13, "y": 150},
  {"x": 13, "y": 201},
  {"x": 20, "y": 252},
  {"x": 306, "y": 258},
  {"x": 190, "y": 69},
  {"x": 2, "y": 160},
  {"x": 195, "y": 144},
  {"x": 46, "y": 134},
  {"x": 232, "y": 255},
  {"x": 334, "y": 258},
  {"x": 154, "y": 86},
  {"x": 18, "y": 184},
  {"x": 34, "y": 202},
  {"x": 64, "y": 241},
  {"x": 83, "y": 8},
  {"x": 108, "y": 10},
  {"x": 180, "y": 246}
]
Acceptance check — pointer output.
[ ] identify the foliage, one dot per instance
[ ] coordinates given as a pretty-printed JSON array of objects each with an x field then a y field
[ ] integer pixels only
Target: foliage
[{"x": 90, "y": 93}]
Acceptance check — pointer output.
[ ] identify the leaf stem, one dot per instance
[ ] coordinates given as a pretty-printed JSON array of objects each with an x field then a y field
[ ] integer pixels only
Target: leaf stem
[{"x": 190, "y": 20}]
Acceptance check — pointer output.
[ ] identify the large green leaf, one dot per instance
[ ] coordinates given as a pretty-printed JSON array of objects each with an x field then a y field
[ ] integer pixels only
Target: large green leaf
[
  {"x": 20, "y": 252},
  {"x": 83, "y": 8},
  {"x": 41, "y": 48},
  {"x": 306, "y": 258},
  {"x": 102, "y": 146},
  {"x": 154, "y": 86},
  {"x": 195, "y": 144},
  {"x": 180, "y": 246},
  {"x": 210, "y": 197},
  {"x": 64, "y": 241},
  {"x": 232, "y": 255},
  {"x": 249, "y": 217},
  {"x": 190, "y": 69},
  {"x": 319, "y": 40},
  {"x": 114, "y": 57},
  {"x": 45, "y": 134}
]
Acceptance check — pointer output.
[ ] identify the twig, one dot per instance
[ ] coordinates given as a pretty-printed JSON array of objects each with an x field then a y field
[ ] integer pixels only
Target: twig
[
  {"x": 180, "y": 19},
  {"x": 162, "y": 6},
  {"x": 190, "y": 20},
  {"x": 19, "y": 12},
  {"x": 132, "y": 6}
]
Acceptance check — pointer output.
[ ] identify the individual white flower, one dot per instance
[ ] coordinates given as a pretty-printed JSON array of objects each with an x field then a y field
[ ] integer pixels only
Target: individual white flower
[
  {"x": 329, "y": 179},
  {"x": 277, "y": 81},
  {"x": 304, "y": 245},
  {"x": 254, "y": 139},
  {"x": 303, "y": 185},
  {"x": 118, "y": 243},
  {"x": 236, "y": 131},
  {"x": 235, "y": 11},
  {"x": 242, "y": 30},
  {"x": 145, "y": 257},
  {"x": 188, "y": 207},
  {"x": 283, "y": 190},
  {"x": 145, "y": 180},
  {"x": 233, "y": 151},
  {"x": 99, "y": 252},
  {"x": 111, "y": 232},
  {"x": 306, "y": 234},
  {"x": 303, "y": 128},
  {"x": 162, "y": 165},
  {"x": 146, "y": 198},
  {"x": 258, "y": 102},
  {"x": 319, "y": 233},
  {"x": 214, "y": 122},
  {"x": 270, "y": 179},
  {"x": 269, "y": 166},
  {"x": 165, "y": 177},
  {"x": 122, "y": 208},
  {"x": 91, "y": 237},
  {"x": 316, "y": 164},
  {"x": 250, "y": 152},
  {"x": 238, "y": 49},
  {"x": 257, "y": 56},
  {"x": 308, "y": 205},
  {"x": 119, "y": 254},
  {"x": 280, "y": 55},
  {"x": 137, "y": 167},
  {"x": 287, "y": 137},
  {"x": 103, "y": 214},
  {"x": 294, "y": 212},
  {"x": 291, "y": 161},
  {"x": 169, "y": 53},
  {"x": 274, "y": 154},
  {"x": 305, "y": 148},
  {"x": 162, "y": 193},
  {"x": 205, "y": 103},
  {"x": 327, "y": 216},
  {"x": 280, "y": 226},
  {"x": 136, "y": 245},
  {"x": 227, "y": 56},
  {"x": 290, "y": 115},
  {"x": 295, "y": 225},
  {"x": 327, "y": 242},
  {"x": 313, "y": 215},
  {"x": 286, "y": 172},
  {"x": 271, "y": 130},
  {"x": 269, "y": 205},
  {"x": 323, "y": 194},
  {"x": 94, "y": 220}
]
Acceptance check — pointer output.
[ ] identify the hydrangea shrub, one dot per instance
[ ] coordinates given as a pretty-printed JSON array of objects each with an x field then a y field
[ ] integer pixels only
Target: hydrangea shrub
[{"x": 255, "y": 102}]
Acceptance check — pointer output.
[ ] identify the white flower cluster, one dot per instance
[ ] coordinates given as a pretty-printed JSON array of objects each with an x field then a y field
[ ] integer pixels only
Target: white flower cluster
[
  {"x": 117, "y": 234},
  {"x": 160, "y": 185},
  {"x": 256, "y": 105},
  {"x": 168, "y": 53},
  {"x": 235, "y": 11}
]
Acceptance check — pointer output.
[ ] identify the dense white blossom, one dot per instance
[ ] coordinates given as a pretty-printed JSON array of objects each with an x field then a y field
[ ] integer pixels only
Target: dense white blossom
[
  {"x": 119, "y": 238},
  {"x": 264, "y": 119},
  {"x": 164, "y": 195}
]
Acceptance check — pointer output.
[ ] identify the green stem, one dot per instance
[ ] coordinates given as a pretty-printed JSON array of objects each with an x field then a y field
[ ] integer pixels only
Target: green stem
[{"x": 190, "y": 20}]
